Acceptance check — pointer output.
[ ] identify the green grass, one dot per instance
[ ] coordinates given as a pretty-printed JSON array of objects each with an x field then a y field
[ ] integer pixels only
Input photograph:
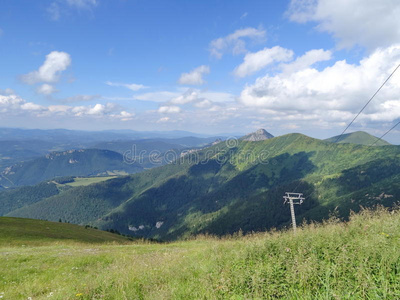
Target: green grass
[
  {"x": 84, "y": 181},
  {"x": 29, "y": 232},
  {"x": 355, "y": 260}
]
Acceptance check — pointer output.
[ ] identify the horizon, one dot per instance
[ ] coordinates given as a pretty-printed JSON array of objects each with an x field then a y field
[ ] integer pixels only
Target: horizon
[
  {"x": 194, "y": 134},
  {"x": 202, "y": 67}
]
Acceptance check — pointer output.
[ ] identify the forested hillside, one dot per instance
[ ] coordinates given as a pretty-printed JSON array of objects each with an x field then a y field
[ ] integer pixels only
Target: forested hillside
[
  {"x": 228, "y": 187},
  {"x": 84, "y": 162}
]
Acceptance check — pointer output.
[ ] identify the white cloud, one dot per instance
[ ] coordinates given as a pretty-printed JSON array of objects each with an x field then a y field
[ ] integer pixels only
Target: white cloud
[
  {"x": 46, "y": 89},
  {"x": 157, "y": 96},
  {"x": 49, "y": 72},
  {"x": 163, "y": 120},
  {"x": 368, "y": 23},
  {"x": 6, "y": 92},
  {"x": 308, "y": 59},
  {"x": 235, "y": 42},
  {"x": 203, "y": 104},
  {"x": 195, "y": 77},
  {"x": 15, "y": 105},
  {"x": 169, "y": 109},
  {"x": 254, "y": 62},
  {"x": 189, "y": 96},
  {"x": 56, "y": 8},
  {"x": 123, "y": 116},
  {"x": 333, "y": 94},
  {"x": 132, "y": 86},
  {"x": 80, "y": 98},
  {"x": 244, "y": 15},
  {"x": 82, "y": 4}
]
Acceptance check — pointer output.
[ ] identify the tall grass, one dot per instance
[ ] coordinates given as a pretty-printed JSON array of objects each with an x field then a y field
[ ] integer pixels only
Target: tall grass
[{"x": 359, "y": 259}]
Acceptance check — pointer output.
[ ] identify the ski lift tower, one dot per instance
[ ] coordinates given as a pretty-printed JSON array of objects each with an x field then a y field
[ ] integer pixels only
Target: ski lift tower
[{"x": 293, "y": 198}]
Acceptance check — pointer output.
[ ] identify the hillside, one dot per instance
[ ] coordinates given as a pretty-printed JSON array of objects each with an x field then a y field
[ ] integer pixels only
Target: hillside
[
  {"x": 358, "y": 137},
  {"x": 228, "y": 187},
  {"x": 84, "y": 162},
  {"x": 355, "y": 260},
  {"x": 18, "y": 231}
]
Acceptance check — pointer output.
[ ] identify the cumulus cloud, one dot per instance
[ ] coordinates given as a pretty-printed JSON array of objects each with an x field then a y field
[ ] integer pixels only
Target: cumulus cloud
[
  {"x": 236, "y": 41},
  {"x": 169, "y": 109},
  {"x": 195, "y": 77},
  {"x": 334, "y": 93},
  {"x": 203, "y": 103},
  {"x": 163, "y": 120},
  {"x": 46, "y": 89},
  {"x": 50, "y": 71},
  {"x": 189, "y": 96},
  {"x": 12, "y": 104},
  {"x": 254, "y": 62},
  {"x": 132, "y": 86},
  {"x": 308, "y": 59},
  {"x": 368, "y": 23}
]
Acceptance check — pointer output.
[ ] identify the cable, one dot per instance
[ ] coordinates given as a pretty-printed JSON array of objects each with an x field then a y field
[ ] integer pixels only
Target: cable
[
  {"x": 378, "y": 139},
  {"x": 366, "y": 104},
  {"x": 362, "y": 109}
]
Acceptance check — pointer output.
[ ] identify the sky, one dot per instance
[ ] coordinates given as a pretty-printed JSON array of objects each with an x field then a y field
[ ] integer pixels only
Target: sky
[{"x": 203, "y": 66}]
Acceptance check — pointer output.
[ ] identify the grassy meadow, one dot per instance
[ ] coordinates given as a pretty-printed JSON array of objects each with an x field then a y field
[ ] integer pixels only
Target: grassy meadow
[
  {"x": 359, "y": 259},
  {"x": 84, "y": 181}
]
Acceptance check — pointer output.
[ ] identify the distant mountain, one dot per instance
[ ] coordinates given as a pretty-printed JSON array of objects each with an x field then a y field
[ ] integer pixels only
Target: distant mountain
[
  {"x": 358, "y": 137},
  {"x": 86, "y": 137},
  {"x": 259, "y": 135},
  {"x": 224, "y": 188},
  {"x": 83, "y": 162}
]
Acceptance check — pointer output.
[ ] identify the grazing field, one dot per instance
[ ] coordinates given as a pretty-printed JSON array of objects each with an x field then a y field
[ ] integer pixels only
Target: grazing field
[
  {"x": 84, "y": 181},
  {"x": 359, "y": 259}
]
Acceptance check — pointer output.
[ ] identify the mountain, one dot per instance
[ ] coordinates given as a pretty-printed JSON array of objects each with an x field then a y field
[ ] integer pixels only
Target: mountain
[
  {"x": 83, "y": 162},
  {"x": 19, "y": 231},
  {"x": 358, "y": 137},
  {"x": 85, "y": 137},
  {"x": 226, "y": 187},
  {"x": 259, "y": 135}
]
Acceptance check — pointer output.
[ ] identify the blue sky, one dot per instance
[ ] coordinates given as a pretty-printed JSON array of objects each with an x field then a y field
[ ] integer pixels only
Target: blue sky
[{"x": 203, "y": 66}]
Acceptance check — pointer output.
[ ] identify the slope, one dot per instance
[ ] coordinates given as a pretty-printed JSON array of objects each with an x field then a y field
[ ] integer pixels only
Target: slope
[
  {"x": 85, "y": 162},
  {"x": 18, "y": 231},
  {"x": 228, "y": 187},
  {"x": 358, "y": 137}
]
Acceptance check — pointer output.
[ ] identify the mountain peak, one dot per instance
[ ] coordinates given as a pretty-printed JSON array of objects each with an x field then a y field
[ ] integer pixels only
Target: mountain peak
[{"x": 259, "y": 135}]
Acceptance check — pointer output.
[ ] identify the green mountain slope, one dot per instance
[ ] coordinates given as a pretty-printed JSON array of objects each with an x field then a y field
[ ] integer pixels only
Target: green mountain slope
[
  {"x": 228, "y": 187},
  {"x": 358, "y": 137},
  {"x": 16, "y": 231},
  {"x": 85, "y": 162}
]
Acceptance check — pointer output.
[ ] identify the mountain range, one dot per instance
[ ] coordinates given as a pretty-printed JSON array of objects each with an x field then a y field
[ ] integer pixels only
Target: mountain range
[{"x": 227, "y": 187}]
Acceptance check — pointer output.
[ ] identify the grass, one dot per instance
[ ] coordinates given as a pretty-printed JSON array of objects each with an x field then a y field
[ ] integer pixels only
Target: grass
[
  {"x": 355, "y": 260},
  {"x": 16, "y": 232},
  {"x": 84, "y": 181}
]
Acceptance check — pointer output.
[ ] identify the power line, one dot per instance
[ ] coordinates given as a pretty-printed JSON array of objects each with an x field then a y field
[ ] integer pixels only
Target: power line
[
  {"x": 362, "y": 109},
  {"x": 366, "y": 104},
  {"x": 378, "y": 139}
]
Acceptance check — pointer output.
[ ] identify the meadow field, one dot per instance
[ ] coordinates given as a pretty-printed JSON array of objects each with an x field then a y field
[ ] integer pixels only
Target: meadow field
[{"x": 359, "y": 259}]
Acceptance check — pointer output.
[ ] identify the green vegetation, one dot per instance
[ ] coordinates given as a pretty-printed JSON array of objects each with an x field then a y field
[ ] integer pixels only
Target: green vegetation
[
  {"x": 355, "y": 260},
  {"x": 221, "y": 190},
  {"x": 358, "y": 137},
  {"x": 28, "y": 232},
  {"x": 87, "y": 162},
  {"x": 84, "y": 181}
]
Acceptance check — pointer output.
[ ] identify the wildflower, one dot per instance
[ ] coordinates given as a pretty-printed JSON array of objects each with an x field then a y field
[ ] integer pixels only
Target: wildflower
[{"x": 79, "y": 295}]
